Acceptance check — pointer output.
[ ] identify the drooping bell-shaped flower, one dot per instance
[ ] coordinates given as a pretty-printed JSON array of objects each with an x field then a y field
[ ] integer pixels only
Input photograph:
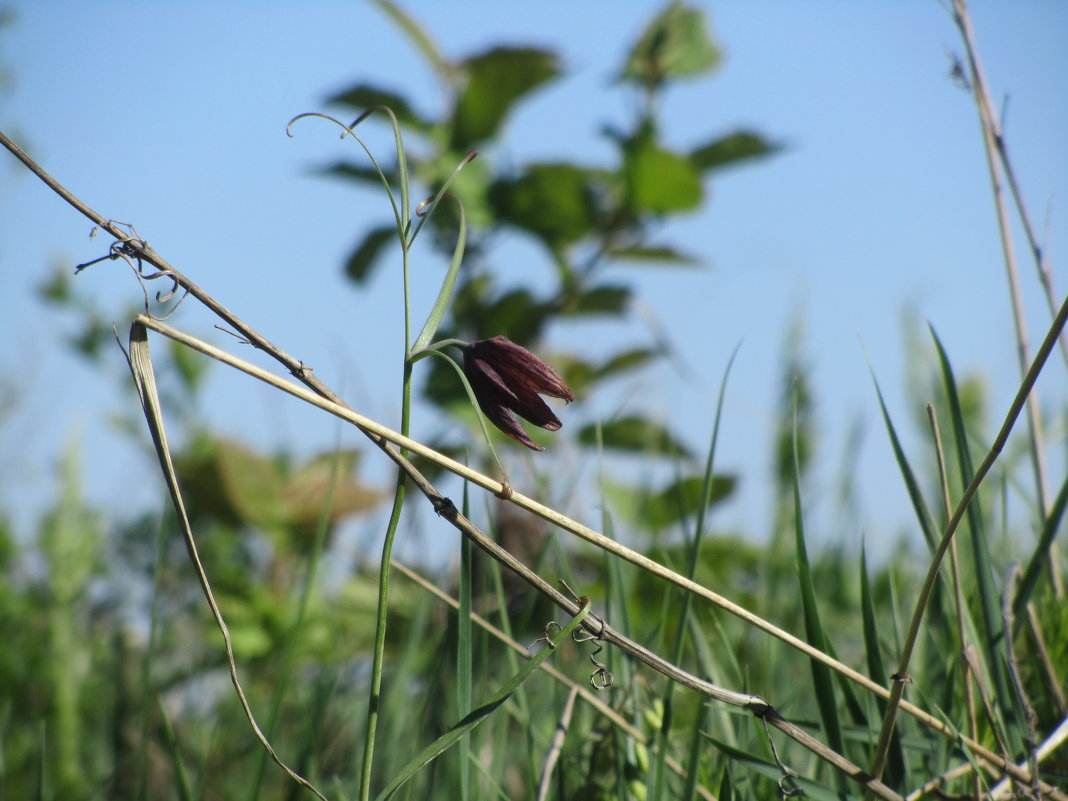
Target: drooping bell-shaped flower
[{"x": 507, "y": 380}]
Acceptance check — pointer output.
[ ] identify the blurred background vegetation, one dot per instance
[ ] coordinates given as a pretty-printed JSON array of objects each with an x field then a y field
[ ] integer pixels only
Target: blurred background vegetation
[{"x": 113, "y": 683}]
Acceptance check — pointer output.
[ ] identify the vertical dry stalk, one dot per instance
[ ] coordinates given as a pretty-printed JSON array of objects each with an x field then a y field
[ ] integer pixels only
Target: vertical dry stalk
[{"x": 991, "y": 139}]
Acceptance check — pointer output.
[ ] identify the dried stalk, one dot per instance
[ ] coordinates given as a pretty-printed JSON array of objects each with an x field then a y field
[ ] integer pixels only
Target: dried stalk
[{"x": 991, "y": 137}]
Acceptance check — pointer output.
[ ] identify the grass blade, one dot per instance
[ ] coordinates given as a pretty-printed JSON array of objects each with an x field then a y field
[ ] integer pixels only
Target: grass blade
[
  {"x": 657, "y": 772},
  {"x": 919, "y": 505},
  {"x": 822, "y": 681},
  {"x": 463, "y": 652},
  {"x": 896, "y": 762},
  {"x": 989, "y": 605},
  {"x": 185, "y": 792},
  {"x": 1039, "y": 559},
  {"x": 477, "y": 716}
]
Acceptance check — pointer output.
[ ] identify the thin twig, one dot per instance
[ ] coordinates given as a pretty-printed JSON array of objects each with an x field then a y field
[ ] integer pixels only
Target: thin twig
[{"x": 556, "y": 746}]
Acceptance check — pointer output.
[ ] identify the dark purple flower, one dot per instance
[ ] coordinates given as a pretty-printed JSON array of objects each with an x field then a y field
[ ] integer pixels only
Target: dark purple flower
[{"x": 507, "y": 378}]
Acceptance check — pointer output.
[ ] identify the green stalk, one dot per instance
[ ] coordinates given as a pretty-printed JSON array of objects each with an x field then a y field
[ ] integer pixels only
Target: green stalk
[
  {"x": 375, "y": 692},
  {"x": 464, "y": 659},
  {"x": 383, "y": 605}
]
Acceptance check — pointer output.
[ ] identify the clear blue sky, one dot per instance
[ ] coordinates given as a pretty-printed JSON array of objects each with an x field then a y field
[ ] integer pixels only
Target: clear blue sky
[{"x": 172, "y": 115}]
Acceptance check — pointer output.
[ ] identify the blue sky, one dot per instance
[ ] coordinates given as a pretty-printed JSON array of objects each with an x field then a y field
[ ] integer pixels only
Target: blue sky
[{"x": 877, "y": 215}]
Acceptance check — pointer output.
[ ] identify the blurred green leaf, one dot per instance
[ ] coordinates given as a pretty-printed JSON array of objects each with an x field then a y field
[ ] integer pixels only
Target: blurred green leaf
[
  {"x": 57, "y": 287},
  {"x": 362, "y": 97},
  {"x": 362, "y": 261},
  {"x": 646, "y": 254},
  {"x": 635, "y": 434},
  {"x": 227, "y": 482},
  {"x": 252, "y": 483},
  {"x": 191, "y": 366},
  {"x": 552, "y": 201},
  {"x": 676, "y": 44},
  {"x": 496, "y": 79},
  {"x": 673, "y": 504},
  {"x": 659, "y": 181},
  {"x": 774, "y": 772},
  {"x": 327, "y": 477},
  {"x": 577, "y": 373},
  {"x": 627, "y": 360},
  {"x": 441, "y": 386},
  {"x": 516, "y": 314},
  {"x": 730, "y": 149},
  {"x": 604, "y": 299},
  {"x": 357, "y": 172}
]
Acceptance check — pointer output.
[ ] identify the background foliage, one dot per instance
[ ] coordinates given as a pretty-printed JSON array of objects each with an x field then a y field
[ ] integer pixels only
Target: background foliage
[{"x": 114, "y": 683}]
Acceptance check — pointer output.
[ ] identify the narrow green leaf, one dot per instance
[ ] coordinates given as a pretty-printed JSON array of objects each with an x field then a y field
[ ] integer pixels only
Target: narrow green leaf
[
  {"x": 635, "y": 434},
  {"x": 919, "y": 505},
  {"x": 992, "y": 646},
  {"x": 895, "y": 768},
  {"x": 185, "y": 790},
  {"x": 693, "y": 761},
  {"x": 771, "y": 770},
  {"x": 355, "y": 172},
  {"x": 822, "y": 680},
  {"x": 1040, "y": 556},
  {"x": 626, "y": 360},
  {"x": 651, "y": 253},
  {"x": 985, "y": 584},
  {"x": 363, "y": 96},
  {"x": 678, "y": 501},
  {"x": 605, "y": 299},
  {"x": 731, "y": 149},
  {"x": 726, "y": 789},
  {"x": 707, "y": 490},
  {"x": 361, "y": 263},
  {"x": 477, "y": 716},
  {"x": 464, "y": 650}
]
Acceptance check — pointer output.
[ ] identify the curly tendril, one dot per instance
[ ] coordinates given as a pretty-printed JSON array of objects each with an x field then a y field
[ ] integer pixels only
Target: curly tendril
[{"x": 129, "y": 248}]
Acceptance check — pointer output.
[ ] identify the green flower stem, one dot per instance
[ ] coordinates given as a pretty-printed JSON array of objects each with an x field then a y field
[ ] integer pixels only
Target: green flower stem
[
  {"x": 375, "y": 695},
  {"x": 420, "y": 353},
  {"x": 378, "y": 659}
]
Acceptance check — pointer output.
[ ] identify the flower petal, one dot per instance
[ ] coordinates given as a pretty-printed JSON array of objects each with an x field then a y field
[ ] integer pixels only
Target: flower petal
[{"x": 507, "y": 378}]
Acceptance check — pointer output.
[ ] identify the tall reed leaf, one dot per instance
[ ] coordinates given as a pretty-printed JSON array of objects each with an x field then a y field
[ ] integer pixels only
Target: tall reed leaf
[
  {"x": 984, "y": 570},
  {"x": 895, "y": 769},
  {"x": 822, "y": 681},
  {"x": 919, "y": 505}
]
